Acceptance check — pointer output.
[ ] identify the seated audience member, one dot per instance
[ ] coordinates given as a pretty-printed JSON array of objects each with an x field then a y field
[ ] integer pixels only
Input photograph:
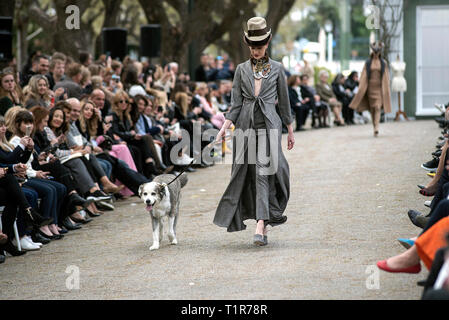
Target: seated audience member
[
  {"x": 57, "y": 72},
  {"x": 102, "y": 106},
  {"x": 85, "y": 58},
  {"x": 72, "y": 81},
  {"x": 297, "y": 102},
  {"x": 52, "y": 193},
  {"x": 201, "y": 72},
  {"x": 56, "y": 132},
  {"x": 77, "y": 142},
  {"x": 40, "y": 66},
  {"x": 38, "y": 93},
  {"x": 319, "y": 110},
  {"x": 326, "y": 94},
  {"x": 123, "y": 127},
  {"x": 10, "y": 93},
  {"x": 344, "y": 96},
  {"x": 216, "y": 118}
]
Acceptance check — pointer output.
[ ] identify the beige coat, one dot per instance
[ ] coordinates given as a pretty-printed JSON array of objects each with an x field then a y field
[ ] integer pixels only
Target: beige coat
[{"x": 360, "y": 102}]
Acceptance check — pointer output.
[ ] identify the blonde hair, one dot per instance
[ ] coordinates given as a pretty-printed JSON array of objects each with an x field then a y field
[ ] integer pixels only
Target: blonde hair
[
  {"x": 85, "y": 75},
  {"x": 31, "y": 91},
  {"x": 120, "y": 94},
  {"x": 10, "y": 118},
  {"x": 160, "y": 98},
  {"x": 181, "y": 99},
  {"x": 158, "y": 73},
  {"x": 91, "y": 125},
  {"x": 97, "y": 82},
  {"x": 4, "y": 144}
]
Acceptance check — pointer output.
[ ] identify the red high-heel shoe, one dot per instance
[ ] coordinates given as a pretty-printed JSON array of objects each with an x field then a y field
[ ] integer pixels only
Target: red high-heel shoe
[{"x": 413, "y": 269}]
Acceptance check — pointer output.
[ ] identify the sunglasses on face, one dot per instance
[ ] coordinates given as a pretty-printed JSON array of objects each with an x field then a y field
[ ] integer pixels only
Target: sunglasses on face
[{"x": 121, "y": 101}]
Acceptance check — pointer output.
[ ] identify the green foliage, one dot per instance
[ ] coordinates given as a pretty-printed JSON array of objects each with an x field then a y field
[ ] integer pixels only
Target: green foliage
[{"x": 317, "y": 74}]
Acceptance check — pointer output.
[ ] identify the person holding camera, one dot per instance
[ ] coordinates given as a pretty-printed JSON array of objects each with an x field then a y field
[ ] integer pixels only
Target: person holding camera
[{"x": 51, "y": 192}]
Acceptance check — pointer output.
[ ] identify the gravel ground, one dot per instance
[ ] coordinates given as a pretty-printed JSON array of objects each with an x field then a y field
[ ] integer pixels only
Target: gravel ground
[{"x": 349, "y": 198}]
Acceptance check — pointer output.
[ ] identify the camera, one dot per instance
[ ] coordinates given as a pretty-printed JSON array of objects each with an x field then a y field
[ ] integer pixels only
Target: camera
[{"x": 160, "y": 109}]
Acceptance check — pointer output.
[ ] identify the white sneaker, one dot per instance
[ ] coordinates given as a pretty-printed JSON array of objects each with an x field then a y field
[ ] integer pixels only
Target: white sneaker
[
  {"x": 25, "y": 245},
  {"x": 28, "y": 238},
  {"x": 427, "y": 203}
]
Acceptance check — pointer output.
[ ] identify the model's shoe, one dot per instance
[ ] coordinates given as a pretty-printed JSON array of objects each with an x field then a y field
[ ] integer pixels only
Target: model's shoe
[
  {"x": 428, "y": 203},
  {"x": 258, "y": 240},
  {"x": 406, "y": 243},
  {"x": 2, "y": 257},
  {"x": 382, "y": 265}
]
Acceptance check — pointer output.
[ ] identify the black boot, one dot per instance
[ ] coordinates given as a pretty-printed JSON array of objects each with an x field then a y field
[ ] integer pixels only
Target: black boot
[
  {"x": 11, "y": 249},
  {"x": 34, "y": 219},
  {"x": 151, "y": 171}
]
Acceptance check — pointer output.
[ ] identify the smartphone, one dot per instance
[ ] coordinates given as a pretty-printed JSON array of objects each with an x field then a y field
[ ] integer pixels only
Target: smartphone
[{"x": 28, "y": 131}]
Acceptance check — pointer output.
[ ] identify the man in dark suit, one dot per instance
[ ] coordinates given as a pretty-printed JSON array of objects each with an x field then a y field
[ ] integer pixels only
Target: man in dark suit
[{"x": 319, "y": 110}]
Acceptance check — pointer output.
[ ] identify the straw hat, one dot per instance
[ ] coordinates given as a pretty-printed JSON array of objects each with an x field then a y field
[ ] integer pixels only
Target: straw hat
[{"x": 258, "y": 33}]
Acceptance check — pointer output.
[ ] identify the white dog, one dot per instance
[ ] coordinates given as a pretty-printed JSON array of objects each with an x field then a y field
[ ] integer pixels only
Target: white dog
[{"x": 160, "y": 201}]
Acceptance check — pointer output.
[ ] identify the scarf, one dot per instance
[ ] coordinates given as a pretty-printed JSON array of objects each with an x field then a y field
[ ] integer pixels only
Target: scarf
[{"x": 262, "y": 67}]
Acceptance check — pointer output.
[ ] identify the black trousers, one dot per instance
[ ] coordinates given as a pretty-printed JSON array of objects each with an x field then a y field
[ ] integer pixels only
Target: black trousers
[
  {"x": 12, "y": 197},
  {"x": 61, "y": 173},
  {"x": 441, "y": 211},
  {"x": 130, "y": 178},
  {"x": 429, "y": 293}
]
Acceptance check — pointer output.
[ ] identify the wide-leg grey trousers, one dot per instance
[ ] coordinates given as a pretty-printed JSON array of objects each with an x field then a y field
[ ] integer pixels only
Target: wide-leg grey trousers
[{"x": 262, "y": 181}]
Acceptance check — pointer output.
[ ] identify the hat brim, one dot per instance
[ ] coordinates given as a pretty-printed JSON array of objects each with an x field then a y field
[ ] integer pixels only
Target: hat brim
[{"x": 257, "y": 41}]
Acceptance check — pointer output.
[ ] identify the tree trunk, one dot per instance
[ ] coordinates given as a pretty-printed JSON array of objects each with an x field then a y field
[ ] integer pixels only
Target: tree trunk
[
  {"x": 7, "y": 8},
  {"x": 111, "y": 15}
]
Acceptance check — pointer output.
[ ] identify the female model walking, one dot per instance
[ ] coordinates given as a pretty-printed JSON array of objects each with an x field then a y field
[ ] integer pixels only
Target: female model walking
[{"x": 260, "y": 181}]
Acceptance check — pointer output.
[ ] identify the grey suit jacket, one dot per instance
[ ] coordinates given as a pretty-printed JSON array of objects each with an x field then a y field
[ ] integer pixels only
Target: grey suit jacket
[{"x": 238, "y": 202}]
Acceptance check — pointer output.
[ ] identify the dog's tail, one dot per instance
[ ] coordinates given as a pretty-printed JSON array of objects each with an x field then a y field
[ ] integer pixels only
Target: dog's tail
[{"x": 183, "y": 179}]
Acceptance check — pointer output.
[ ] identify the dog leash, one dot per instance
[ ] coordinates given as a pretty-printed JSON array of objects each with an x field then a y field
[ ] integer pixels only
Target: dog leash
[
  {"x": 182, "y": 171},
  {"x": 226, "y": 138}
]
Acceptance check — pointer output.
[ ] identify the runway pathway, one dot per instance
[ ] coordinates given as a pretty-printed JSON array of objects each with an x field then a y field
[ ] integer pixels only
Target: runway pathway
[{"x": 349, "y": 198}]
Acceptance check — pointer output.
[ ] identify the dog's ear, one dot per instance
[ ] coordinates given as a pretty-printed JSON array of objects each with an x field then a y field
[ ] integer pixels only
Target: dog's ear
[
  {"x": 141, "y": 189},
  {"x": 161, "y": 189}
]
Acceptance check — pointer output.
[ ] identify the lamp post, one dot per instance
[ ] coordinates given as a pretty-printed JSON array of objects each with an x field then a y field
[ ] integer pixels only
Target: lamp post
[{"x": 330, "y": 40}]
